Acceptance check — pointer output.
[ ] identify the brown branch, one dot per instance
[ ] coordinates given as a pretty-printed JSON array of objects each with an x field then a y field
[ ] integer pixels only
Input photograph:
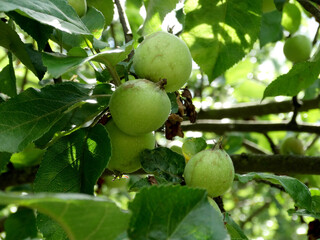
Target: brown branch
[
  {"x": 310, "y": 8},
  {"x": 249, "y": 110},
  {"x": 243, "y": 163},
  {"x": 296, "y": 105},
  {"x": 220, "y": 128},
  {"x": 277, "y": 164},
  {"x": 124, "y": 22}
]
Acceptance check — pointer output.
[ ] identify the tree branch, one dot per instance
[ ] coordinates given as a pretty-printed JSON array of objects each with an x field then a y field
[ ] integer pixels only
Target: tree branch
[
  {"x": 220, "y": 128},
  {"x": 243, "y": 163},
  {"x": 310, "y": 8},
  {"x": 249, "y": 110},
  {"x": 124, "y": 22}
]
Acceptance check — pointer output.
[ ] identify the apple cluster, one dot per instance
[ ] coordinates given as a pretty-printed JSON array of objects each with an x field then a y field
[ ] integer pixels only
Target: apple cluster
[{"x": 138, "y": 107}]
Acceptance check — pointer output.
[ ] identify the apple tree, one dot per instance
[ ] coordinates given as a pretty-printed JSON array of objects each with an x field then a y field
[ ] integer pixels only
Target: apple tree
[{"x": 159, "y": 119}]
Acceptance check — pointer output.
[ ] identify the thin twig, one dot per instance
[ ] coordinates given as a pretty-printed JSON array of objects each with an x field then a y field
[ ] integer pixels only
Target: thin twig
[
  {"x": 255, "y": 213},
  {"x": 315, "y": 39},
  {"x": 296, "y": 105},
  {"x": 24, "y": 79},
  {"x": 273, "y": 146},
  {"x": 220, "y": 127},
  {"x": 312, "y": 142}
]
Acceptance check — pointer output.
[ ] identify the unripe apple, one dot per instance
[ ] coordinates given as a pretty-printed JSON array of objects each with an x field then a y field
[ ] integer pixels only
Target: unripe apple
[
  {"x": 214, "y": 205},
  {"x": 126, "y": 149},
  {"x": 139, "y": 107},
  {"x": 210, "y": 169},
  {"x": 297, "y": 48},
  {"x": 120, "y": 183},
  {"x": 163, "y": 55},
  {"x": 79, "y": 5},
  {"x": 291, "y": 17},
  {"x": 292, "y": 145}
]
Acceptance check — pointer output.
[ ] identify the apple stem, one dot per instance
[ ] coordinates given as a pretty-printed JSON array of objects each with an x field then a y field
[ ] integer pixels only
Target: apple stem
[
  {"x": 218, "y": 145},
  {"x": 162, "y": 83}
]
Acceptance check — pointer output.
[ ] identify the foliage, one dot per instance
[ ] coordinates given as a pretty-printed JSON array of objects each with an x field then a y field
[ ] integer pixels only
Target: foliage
[{"x": 58, "y": 72}]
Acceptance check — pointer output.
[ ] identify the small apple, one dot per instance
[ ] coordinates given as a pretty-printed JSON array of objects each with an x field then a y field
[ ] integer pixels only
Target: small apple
[
  {"x": 139, "y": 107},
  {"x": 291, "y": 17},
  {"x": 125, "y": 149},
  {"x": 80, "y": 6},
  {"x": 292, "y": 145},
  {"x": 297, "y": 48},
  {"x": 210, "y": 169},
  {"x": 162, "y": 55},
  {"x": 214, "y": 205}
]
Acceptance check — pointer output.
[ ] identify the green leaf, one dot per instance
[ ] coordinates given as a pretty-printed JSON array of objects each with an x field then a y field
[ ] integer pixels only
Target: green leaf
[
  {"x": 156, "y": 12},
  {"x": 55, "y": 13},
  {"x": 4, "y": 160},
  {"x": 164, "y": 163},
  {"x": 173, "y": 99},
  {"x": 59, "y": 64},
  {"x": 233, "y": 228},
  {"x": 220, "y": 37},
  {"x": 174, "y": 212},
  {"x": 93, "y": 20},
  {"x": 75, "y": 162},
  {"x": 81, "y": 216},
  {"x": 8, "y": 79},
  {"x": 192, "y": 146},
  {"x": 29, "y": 156},
  {"x": 24, "y": 221},
  {"x": 33, "y": 28},
  {"x": 271, "y": 29},
  {"x": 32, "y": 113},
  {"x": 105, "y": 7},
  {"x": 300, "y": 76},
  {"x": 296, "y": 189},
  {"x": 13, "y": 43},
  {"x": 144, "y": 182}
]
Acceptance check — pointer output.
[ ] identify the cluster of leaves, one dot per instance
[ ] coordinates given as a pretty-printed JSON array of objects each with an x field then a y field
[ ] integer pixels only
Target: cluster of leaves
[{"x": 58, "y": 122}]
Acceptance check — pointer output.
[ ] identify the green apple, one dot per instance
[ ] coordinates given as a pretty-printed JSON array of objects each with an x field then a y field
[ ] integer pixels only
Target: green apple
[
  {"x": 139, "y": 107},
  {"x": 79, "y": 5},
  {"x": 297, "y": 48},
  {"x": 268, "y": 6},
  {"x": 210, "y": 169},
  {"x": 120, "y": 183},
  {"x": 163, "y": 55},
  {"x": 292, "y": 145},
  {"x": 214, "y": 205},
  {"x": 126, "y": 149},
  {"x": 291, "y": 17}
]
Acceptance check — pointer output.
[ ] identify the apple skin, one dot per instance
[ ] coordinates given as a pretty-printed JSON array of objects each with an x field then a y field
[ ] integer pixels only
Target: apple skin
[
  {"x": 293, "y": 146},
  {"x": 291, "y": 17},
  {"x": 119, "y": 183},
  {"x": 139, "y": 107},
  {"x": 210, "y": 169},
  {"x": 79, "y": 5},
  {"x": 163, "y": 55},
  {"x": 126, "y": 149},
  {"x": 297, "y": 48}
]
